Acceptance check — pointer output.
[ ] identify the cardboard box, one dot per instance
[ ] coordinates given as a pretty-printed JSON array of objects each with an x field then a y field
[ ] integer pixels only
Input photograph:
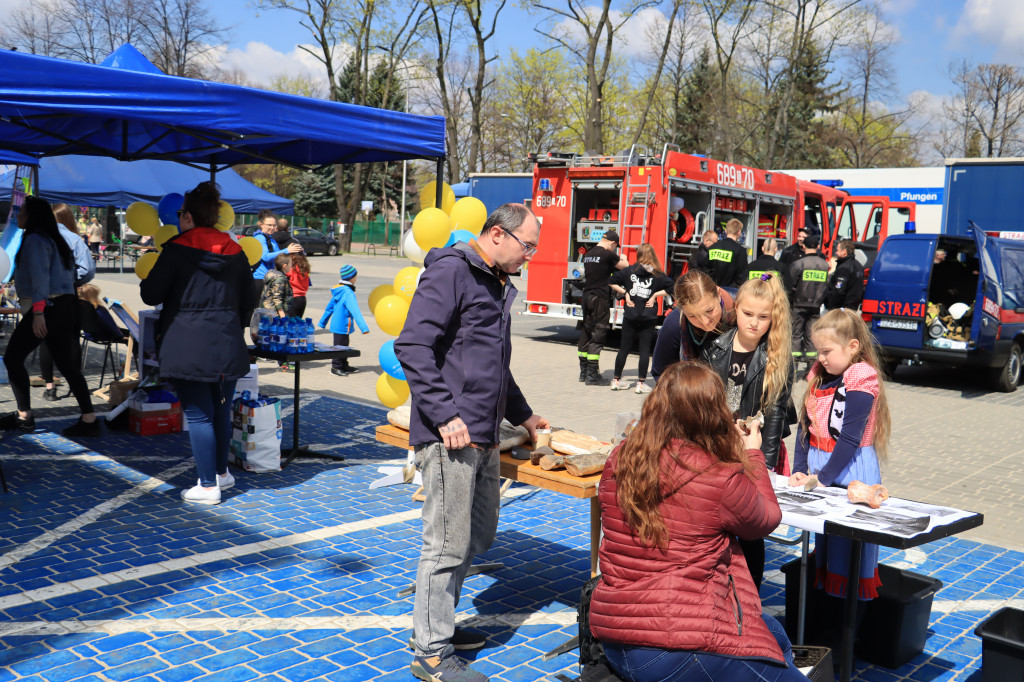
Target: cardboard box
[
  {"x": 153, "y": 422},
  {"x": 120, "y": 390}
]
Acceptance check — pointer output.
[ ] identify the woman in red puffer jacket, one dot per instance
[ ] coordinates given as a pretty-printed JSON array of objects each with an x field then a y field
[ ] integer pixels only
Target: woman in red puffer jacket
[{"x": 675, "y": 600}]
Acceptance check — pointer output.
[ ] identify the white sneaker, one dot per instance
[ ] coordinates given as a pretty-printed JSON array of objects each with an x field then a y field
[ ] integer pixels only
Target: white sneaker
[
  {"x": 225, "y": 481},
  {"x": 201, "y": 495},
  {"x": 641, "y": 387},
  {"x": 618, "y": 385}
]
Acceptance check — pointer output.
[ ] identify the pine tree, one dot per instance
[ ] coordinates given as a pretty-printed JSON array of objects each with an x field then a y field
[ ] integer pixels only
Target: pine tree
[
  {"x": 694, "y": 118},
  {"x": 805, "y": 145},
  {"x": 314, "y": 194}
]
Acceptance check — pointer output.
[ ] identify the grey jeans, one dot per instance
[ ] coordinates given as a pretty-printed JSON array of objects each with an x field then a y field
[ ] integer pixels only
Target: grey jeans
[{"x": 460, "y": 518}]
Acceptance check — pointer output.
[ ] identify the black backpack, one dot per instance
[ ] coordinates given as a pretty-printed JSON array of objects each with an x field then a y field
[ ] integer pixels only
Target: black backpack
[{"x": 593, "y": 663}]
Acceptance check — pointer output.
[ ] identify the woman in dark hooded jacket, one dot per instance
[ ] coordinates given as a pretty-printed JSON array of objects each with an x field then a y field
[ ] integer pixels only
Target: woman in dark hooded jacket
[{"x": 202, "y": 279}]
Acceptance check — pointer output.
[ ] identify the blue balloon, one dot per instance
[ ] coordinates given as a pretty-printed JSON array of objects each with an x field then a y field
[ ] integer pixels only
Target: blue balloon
[
  {"x": 460, "y": 236},
  {"x": 168, "y": 208},
  {"x": 389, "y": 361}
]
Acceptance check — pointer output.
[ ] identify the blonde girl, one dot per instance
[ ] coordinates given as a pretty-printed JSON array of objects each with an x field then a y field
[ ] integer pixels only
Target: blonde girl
[
  {"x": 642, "y": 284},
  {"x": 755, "y": 362},
  {"x": 703, "y": 311},
  {"x": 844, "y": 429}
]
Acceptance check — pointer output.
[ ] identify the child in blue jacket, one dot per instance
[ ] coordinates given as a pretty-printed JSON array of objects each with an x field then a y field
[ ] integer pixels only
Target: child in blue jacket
[{"x": 343, "y": 311}]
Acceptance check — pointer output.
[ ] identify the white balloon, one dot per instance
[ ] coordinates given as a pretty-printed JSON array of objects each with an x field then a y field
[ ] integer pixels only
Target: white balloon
[
  {"x": 5, "y": 266},
  {"x": 411, "y": 249},
  {"x": 419, "y": 274}
]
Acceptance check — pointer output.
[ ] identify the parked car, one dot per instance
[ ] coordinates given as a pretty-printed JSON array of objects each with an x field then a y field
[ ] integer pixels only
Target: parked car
[
  {"x": 966, "y": 309},
  {"x": 314, "y": 242},
  {"x": 244, "y": 230}
]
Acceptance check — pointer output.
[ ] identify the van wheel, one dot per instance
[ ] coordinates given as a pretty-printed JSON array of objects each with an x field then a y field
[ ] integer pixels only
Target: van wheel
[
  {"x": 1009, "y": 376},
  {"x": 890, "y": 367}
]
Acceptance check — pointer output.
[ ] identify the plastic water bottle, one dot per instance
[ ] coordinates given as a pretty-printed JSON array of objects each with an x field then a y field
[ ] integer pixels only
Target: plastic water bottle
[
  {"x": 295, "y": 340},
  {"x": 263, "y": 333},
  {"x": 300, "y": 335},
  {"x": 280, "y": 336},
  {"x": 310, "y": 335}
]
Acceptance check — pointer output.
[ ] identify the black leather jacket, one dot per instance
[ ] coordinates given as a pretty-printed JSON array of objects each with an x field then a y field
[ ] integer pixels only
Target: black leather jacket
[{"x": 718, "y": 354}]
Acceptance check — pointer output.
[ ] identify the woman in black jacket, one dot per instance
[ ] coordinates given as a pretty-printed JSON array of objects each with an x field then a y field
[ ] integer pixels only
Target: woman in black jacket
[
  {"x": 755, "y": 363},
  {"x": 202, "y": 279}
]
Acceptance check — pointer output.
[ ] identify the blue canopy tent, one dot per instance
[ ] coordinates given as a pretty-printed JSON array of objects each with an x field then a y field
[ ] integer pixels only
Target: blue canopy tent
[
  {"x": 52, "y": 107},
  {"x": 102, "y": 181}
]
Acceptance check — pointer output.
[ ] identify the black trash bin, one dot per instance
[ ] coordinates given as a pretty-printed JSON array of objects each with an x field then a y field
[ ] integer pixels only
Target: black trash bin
[
  {"x": 1002, "y": 645},
  {"x": 894, "y": 627}
]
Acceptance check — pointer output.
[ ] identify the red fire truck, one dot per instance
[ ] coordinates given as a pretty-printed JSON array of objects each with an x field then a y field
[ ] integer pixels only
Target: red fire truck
[{"x": 578, "y": 198}]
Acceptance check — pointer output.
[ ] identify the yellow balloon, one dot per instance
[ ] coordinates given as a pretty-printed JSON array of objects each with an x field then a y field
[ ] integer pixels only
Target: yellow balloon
[
  {"x": 142, "y": 218},
  {"x": 145, "y": 264},
  {"x": 390, "y": 313},
  {"x": 431, "y": 228},
  {"x": 252, "y": 249},
  {"x": 391, "y": 391},
  {"x": 405, "y": 282},
  {"x": 428, "y": 196},
  {"x": 226, "y": 220},
  {"x": 379, "y": 292},
  {"x": 469, "y": 214},
  {"x": 163, "y": 234}
]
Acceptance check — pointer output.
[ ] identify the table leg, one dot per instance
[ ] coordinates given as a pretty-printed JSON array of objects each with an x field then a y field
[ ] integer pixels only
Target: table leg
[
  {"x": 297, "y": 449},
  {"x": 801, "y": 612},
  {"x": 850, "y": 612},
  {"x": 595, "y": 534}
]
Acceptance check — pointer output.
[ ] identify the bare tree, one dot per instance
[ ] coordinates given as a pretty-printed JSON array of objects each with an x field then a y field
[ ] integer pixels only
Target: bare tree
[
  {"x": 589, "y": 33},
  {"x": 654, "y": 82},
  {"x": 176, "y": 35},
  {"x": 986, "y": 118}
]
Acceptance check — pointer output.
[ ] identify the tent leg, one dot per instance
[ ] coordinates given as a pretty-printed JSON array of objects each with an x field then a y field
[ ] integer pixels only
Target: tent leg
[{"x": 440, "y": 181}]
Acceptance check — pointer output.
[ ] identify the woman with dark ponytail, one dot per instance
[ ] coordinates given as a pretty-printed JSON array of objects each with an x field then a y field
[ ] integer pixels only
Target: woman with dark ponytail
[{"x": 45, "y": 277}]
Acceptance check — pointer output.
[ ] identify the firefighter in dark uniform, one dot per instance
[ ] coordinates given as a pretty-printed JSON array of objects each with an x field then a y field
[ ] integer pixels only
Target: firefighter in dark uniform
[
  {"x": 810, "y": 284},
  {"x": 727, "y": 259},
  {"x": 846, "y": 285},
  {"x": 598, "y": 265},
  {"x": 796, "y": 249},
  {"x": 768, "y": 263}
]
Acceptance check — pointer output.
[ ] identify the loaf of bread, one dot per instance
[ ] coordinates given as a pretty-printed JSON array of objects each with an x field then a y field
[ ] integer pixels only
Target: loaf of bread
[
  {"x": 400, "y": 417},
  {"x": 570, "y": 443}
]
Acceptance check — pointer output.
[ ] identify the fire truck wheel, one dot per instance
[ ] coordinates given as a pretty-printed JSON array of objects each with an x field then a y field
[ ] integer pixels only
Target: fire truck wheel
[
  {"x": 687, "y": 218},
  {"x": 1009, "y": 375}
]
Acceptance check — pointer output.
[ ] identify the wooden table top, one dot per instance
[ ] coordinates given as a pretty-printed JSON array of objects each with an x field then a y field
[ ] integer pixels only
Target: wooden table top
[{"x": 560, "y": 480}]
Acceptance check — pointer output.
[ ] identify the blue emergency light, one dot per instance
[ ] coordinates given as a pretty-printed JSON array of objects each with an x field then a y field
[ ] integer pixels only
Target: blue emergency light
[
  {"x": 544, "y": 185},
  {"x": 829, "y": 183},
  {"x": 910, "y": 227}
]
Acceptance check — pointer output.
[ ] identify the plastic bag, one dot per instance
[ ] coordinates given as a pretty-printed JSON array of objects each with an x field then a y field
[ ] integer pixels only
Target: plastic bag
[{"x": 256, "y": 435}]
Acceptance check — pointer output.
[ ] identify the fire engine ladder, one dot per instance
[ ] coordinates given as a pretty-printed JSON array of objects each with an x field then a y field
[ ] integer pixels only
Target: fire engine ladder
[{"x": 637, "y": 193}]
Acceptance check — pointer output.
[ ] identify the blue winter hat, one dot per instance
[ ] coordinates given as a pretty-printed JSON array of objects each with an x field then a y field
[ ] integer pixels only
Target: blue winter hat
[{"x": 347, "y": 272}]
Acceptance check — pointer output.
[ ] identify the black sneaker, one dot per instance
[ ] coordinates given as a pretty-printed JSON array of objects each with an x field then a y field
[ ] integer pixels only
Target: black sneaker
[
  {"x": 338, "y": 372},
  {"x": 451, "y": 669},
  {"x": 351, "y": 370},
  {"x": 50, "y": 394},
  {"x": 463, "y": 640},
  {"x": 12, "y": 422},
  {"x": 81, "y": 429}
]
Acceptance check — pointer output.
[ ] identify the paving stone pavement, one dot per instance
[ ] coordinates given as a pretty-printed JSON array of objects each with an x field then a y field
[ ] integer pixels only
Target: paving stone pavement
[{"x": 106, "y": 575}]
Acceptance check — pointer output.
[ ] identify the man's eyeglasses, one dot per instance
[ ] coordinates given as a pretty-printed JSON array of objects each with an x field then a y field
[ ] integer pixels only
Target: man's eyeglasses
[{"x": 528, "y": 250}]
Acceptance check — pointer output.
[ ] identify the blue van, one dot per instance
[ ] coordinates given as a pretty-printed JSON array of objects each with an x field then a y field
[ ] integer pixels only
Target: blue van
[{"x": 964, "y": 306}]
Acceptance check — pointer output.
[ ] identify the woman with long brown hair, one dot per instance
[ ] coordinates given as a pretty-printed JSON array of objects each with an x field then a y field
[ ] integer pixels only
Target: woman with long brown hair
[
  {"x": 675, "y": 600},
  {"x": 642, "y": 284}
]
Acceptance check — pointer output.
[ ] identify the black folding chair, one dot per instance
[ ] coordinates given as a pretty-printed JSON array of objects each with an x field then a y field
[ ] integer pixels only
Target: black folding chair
[{"x": 103, "y": 331}]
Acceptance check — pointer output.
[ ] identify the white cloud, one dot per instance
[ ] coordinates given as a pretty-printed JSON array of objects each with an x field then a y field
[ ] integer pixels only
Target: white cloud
[
  {"x": 633, "y": 38},
  {"x": 261, "y": 64},
  {"x": 999, "y": 23},
  {"x": 898, "y": 6}
]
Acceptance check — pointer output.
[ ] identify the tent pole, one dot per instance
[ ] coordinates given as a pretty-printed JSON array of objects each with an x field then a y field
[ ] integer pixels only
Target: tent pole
[
  {"x": 213, "y": 172},
  {"x": 439, "y": 185},
  {"x": 401, "y": 217}
]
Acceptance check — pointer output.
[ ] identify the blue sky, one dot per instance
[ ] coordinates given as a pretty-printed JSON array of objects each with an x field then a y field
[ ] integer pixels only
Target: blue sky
[{"x": 933, "y": 33}]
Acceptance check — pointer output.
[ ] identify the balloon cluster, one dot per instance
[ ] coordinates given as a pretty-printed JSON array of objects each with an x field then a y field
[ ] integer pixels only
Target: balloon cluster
[
  {"x": 162, "y": 223},
  {"x": 455, "y": 221}
]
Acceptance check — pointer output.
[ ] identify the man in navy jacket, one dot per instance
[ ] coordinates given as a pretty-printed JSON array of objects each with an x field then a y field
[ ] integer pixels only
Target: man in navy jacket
[{"x": 455, "y": 350}]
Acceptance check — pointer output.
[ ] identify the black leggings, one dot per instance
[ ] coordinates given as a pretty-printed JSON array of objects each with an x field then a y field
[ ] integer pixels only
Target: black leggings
[
  {"x": 643, "y": 332},
  {"x": 296, "y": 306},
  {"x": 62, "y": 337}
]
